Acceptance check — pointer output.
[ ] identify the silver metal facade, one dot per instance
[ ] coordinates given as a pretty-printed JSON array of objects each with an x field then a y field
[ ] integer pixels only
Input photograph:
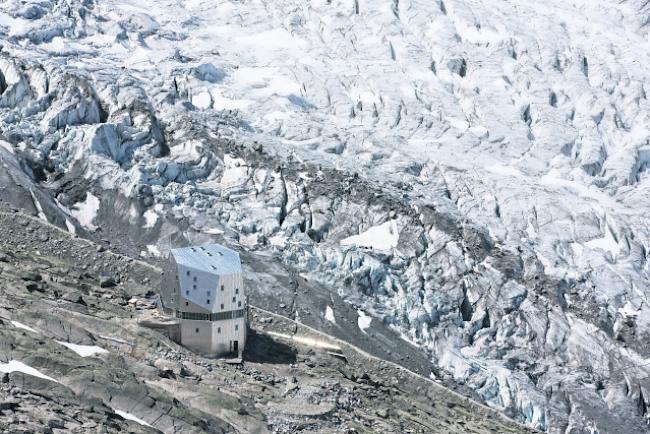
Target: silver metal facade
[{"x": 203, "y": 287}]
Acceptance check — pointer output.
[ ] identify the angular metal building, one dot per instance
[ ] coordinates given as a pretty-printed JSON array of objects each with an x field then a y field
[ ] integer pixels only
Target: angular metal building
[{"x": 202, "y": 287}]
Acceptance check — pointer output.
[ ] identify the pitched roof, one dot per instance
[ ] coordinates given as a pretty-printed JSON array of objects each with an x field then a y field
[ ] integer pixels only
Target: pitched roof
[{"x": 211, "y": 258}]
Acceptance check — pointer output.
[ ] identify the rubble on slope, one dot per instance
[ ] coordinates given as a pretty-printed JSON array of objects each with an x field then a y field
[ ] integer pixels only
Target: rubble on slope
[{"x": 142, "y": 382}]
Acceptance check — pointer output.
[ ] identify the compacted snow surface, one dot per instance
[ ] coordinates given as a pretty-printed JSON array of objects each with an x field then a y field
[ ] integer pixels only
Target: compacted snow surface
[{"x": 503, "y": 145}]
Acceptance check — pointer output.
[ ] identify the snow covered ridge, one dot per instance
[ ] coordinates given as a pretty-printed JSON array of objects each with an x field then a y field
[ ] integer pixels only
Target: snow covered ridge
[{"x": 510, "y": 142}]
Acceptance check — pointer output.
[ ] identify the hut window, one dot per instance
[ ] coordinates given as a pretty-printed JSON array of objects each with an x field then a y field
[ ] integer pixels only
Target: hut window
[
  {"x": 222, "y": 287},
  {"x": 218, "y": 329},
  {"x": 221, "y": 306},
  {"x": 208, "y": 301},
  {"x": 195, "y": 278},
  {"x": 236, "y": 290},
  {"x": 236, "y": 327},
  {"x": 196, "y": 330},
  {"x": 239, "y": 304},
  {"x": 233, "y": 299},
  {"x": 188, "y": 272}
]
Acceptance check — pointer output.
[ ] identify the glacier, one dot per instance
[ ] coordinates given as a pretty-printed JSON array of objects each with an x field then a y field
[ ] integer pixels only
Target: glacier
[{"x": 471, "y": 174}]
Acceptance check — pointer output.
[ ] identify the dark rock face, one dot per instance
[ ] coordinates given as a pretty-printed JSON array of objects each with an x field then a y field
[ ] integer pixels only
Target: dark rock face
[{"x": 106, "y": 280}]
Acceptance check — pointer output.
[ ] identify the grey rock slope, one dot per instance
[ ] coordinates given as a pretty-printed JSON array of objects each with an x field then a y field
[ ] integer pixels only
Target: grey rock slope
[
  {"x": 76, "y": 360},
  {"x": 470, "y": 177}
]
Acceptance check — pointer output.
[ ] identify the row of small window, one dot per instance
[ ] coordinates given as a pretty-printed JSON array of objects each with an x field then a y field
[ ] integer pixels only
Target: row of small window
[
  {"x": 219, "y": 329},
  {"x": 194, "y": 279},
  {"x": 222, "y": 288},
  {"x": 187, "y": 303},
  {"x": 214, "y": 316}
]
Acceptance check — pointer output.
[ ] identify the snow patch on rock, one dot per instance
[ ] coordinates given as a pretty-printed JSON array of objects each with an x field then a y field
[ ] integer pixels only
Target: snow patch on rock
[
  {"x": 16, "y": 366},
  {"x": 38, "y": 206},
  {"x": 23, "y": 326},
  {"x": 84, "y": 350},
  {"x": 380, "y": 237},
  {"x": 131, "y": 417},
  {"x": 86, "y": 211},
  {"x": 154, "y": 250},
  {"x": 329, "y": 315},
  {"x": 7, "y": 147},
  {"x": 150, "y": 218},
  {"x": 363, "y": 321}
]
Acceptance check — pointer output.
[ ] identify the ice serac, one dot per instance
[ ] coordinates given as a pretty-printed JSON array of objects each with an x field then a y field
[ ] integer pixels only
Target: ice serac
[{"x": 471, "y": 175}]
